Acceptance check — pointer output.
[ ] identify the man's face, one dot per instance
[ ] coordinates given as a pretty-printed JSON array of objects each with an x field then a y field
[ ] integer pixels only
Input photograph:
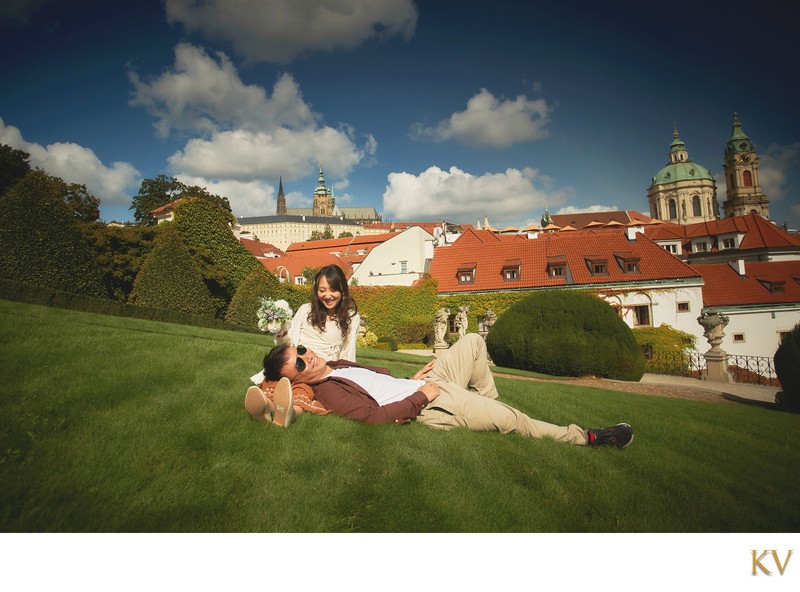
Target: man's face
[{"x": 314, "y": 371}]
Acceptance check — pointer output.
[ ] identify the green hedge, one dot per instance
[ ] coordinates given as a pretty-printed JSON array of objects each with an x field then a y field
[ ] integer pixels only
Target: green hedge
[
  {"x": 40, "y": 240},
  {"x": 388, "y": 310},
  {"x": 30, "y": 294},
  {"x": 787, "y": 367},
  {"x": 170, "y": 279},
  {"x": 566, "y": 333}
]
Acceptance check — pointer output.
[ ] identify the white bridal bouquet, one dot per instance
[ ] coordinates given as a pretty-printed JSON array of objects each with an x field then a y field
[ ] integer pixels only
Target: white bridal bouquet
[{"x": 272, "y": 314}]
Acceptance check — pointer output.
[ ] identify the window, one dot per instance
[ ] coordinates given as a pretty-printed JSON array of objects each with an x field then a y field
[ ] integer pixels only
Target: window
[
  {"x": 697, "y": 210},
  {"x": 511, "y": 274},
  {"x": 631, "y": 267},
  {"x": 728, "y": 243},
  {"x": 738, "y": 337},
  {"x": 558, "y": 270},
  {"x": 466, "y": 276},
  {"x": 641, "y": 315},
  {"x": 299, "y": 279},
  {"x": 701, "y": 247},
  {"x": 673, "y": 210},
  {"x": 773, "y": 287},
  {"x": 782, "y": 335},
  {"x": 683, "y": 307},
  {"x": 673, "y": 248},
  {"x": 404, "y": 267},
  {"x": 597, "y": 266},
  {"x": 747, "y": 178}
]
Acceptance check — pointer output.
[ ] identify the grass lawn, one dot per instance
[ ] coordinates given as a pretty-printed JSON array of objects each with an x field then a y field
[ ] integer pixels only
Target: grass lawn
[{"x": 111, "y": 424}]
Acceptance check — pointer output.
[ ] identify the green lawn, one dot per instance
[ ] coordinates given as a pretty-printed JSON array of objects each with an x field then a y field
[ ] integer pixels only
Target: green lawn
[{"x": 110, "y": 424}]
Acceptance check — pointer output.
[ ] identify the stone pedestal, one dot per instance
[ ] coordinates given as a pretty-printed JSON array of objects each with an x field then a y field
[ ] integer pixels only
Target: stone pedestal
[{"x": 439, "y": 348}]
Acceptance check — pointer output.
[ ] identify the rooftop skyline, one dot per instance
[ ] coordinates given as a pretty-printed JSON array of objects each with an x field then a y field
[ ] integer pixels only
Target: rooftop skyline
[{"x": 424, "y": 110}]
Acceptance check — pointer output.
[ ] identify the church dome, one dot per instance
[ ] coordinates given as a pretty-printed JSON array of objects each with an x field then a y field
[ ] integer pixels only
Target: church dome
[
  {"x": 680, "y": 167},
  {"x": 681, "y": 171}
]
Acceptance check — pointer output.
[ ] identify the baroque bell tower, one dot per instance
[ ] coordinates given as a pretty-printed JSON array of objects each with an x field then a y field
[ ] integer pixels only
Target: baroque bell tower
[{"x": 743, "y": 190}]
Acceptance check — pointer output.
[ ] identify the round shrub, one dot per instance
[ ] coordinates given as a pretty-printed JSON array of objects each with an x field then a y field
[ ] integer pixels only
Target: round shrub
[
  {"x": 170, "y": 279},
  {"x": 565, "y": 333},
  {"x": 787, "y": 367}
]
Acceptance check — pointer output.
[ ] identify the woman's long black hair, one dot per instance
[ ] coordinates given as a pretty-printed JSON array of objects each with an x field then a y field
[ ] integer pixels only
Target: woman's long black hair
[{"x": 346, "y": 308}]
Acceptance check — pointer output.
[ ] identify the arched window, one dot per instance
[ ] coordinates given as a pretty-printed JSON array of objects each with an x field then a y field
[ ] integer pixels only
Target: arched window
[
  {"x": 747, "y": 178},
  {"x": 731, "y": 181},
  {"x": 696, "y": 209},
  {"x": 673, "y": 209}
]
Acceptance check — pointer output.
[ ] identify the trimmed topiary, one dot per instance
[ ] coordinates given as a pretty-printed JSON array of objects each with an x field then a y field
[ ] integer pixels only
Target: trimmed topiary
[
  {"x": 566, "y": 333},
  {"x": 170, "y": 279},
  {"x": 40, "y": 241},
  {"x": 787, "y": 367},
  {"x": 244, "y": 304}
]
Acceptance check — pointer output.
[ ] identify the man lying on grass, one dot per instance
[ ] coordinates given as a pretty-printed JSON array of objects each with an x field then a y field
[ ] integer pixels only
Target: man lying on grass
[{"x": 455, "y": 390}]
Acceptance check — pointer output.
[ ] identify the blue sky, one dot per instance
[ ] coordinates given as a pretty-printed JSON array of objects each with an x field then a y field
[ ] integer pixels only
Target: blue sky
[{"x": 426, "y": 110}]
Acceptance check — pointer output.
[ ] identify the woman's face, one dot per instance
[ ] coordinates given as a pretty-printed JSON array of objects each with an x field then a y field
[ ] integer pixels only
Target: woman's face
[{"x": 329, "y": 297}]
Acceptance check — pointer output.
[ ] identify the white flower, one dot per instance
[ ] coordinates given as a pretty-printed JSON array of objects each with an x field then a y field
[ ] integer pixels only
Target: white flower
[{"x": 273, "y": 312}]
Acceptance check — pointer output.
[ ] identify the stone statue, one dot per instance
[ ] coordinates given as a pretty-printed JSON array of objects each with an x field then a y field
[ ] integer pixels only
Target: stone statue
[
  {"x": 713, "y": 327},
  {"x": 489, "y": 319},
  {"x": 461, "y": 321},
  {"x": 440, "y": 326}
]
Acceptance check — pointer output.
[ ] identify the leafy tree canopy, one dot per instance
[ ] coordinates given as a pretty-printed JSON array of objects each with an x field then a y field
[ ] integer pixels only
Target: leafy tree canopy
[
  {"x": 162, "y": 190},
  {"x": 324, "y": 235},
  {"x": 13, "y": 166}
]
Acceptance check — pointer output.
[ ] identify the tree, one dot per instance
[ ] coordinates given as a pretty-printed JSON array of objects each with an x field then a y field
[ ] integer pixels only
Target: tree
[
  {"x": 170, "y": 279},
  {"x": 345, "y": 235},
  {"x": 310, "y": 275},
  {"x": 13, "y": 166},
  {"x": 154, "y": 193},
  {"x": 40, "y": 240},
  {"x": 83, "y": 205},
  {"x": 324, "y": 235}
]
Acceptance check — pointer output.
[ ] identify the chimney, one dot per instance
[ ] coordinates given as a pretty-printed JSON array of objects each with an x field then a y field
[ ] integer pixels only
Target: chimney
[
  {"x": 738, "y": 266},
  {"x": 632, "y": 231}
]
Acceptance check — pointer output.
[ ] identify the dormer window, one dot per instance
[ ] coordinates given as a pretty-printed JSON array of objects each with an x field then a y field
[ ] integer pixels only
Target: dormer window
[
  {"x": 466, "y": 274},
  {"x": 700, "y": 247},
  {"x": 628, "y": 263},
  {"x": 773, "y": 287},
  {"x": 597, "y": 266},
  {"x": 511, "y": 273}
]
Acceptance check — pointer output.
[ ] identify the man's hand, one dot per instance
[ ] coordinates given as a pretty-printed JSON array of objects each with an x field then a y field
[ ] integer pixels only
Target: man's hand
[
  {"x": 423, "y": 374},
  {"x": 430, "y": 390}
]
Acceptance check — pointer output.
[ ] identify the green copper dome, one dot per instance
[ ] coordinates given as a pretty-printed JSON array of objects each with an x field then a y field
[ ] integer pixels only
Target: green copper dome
[{"x": 680, "y": 167}]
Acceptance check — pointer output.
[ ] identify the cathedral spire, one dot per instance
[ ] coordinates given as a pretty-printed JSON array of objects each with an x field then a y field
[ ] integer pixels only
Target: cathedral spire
[{"x": 280, "y": 210}]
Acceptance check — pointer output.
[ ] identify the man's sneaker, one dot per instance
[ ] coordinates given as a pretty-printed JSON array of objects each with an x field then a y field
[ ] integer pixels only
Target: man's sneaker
[{"x": 619, "y": 435}]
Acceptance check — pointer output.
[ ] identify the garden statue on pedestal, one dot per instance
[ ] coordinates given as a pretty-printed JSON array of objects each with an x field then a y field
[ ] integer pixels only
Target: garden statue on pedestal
[
  {"x": 714, "y": 325},
  {"x": 461, "y": 321},
  {"x": 440, "y": 321}
]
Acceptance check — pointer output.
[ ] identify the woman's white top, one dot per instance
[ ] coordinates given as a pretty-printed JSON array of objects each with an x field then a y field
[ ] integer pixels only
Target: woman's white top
[{"x": 330, "y": 344}]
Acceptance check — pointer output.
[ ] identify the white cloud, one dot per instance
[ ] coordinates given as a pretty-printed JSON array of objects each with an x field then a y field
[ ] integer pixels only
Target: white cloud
[
  {"x": 77, "y": 164},
  {"x": 587, "y": 209},
  {"x": 245, "y": 155},
  {"x": 280, "y": 30},
  {"x": 458, "y": 196},
  {"x": 489, "y": 121},
  {"x": 245, "y": 134},
  {"x": 773, "y": 169},
  {"x": 205, "y": 94},
  {"x": 252, "y": 198}
]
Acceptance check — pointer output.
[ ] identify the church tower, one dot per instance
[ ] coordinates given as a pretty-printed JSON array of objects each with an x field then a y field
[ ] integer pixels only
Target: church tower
[
  {"x": 323, "y": 205},
  {"x": 741, "y": 176},
  {"x": 683, "y": 192},
  {"x": 281, "y": 209}
]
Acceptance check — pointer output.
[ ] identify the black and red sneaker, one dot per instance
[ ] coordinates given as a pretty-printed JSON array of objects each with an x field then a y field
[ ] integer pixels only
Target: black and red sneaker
[{"x": 619, "y": 435}]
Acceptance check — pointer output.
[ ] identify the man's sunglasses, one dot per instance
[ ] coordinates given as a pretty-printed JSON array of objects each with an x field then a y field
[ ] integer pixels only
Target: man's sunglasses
[{"x": 300, "y": 363}]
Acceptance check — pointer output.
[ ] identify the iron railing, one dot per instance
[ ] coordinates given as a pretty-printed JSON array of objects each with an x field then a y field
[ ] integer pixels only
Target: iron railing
[{"x": 743, "y": 369}]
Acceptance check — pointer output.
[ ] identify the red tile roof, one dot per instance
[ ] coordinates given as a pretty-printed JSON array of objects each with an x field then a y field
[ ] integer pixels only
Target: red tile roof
[
  {"x": 295, "y": 263},
  {"x": 759, "y": 232},
  {"x": 490, "y": 254},
  {"x": 347, "y": 246},
  {"x": 725, "y": 287},
  {"x": 260, "y": 249},
  {"x": 581, "y": 221}
]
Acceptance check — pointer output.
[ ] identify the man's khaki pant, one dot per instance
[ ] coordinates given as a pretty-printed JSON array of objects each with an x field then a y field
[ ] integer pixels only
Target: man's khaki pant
[{"x": 468, "y": 398}]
